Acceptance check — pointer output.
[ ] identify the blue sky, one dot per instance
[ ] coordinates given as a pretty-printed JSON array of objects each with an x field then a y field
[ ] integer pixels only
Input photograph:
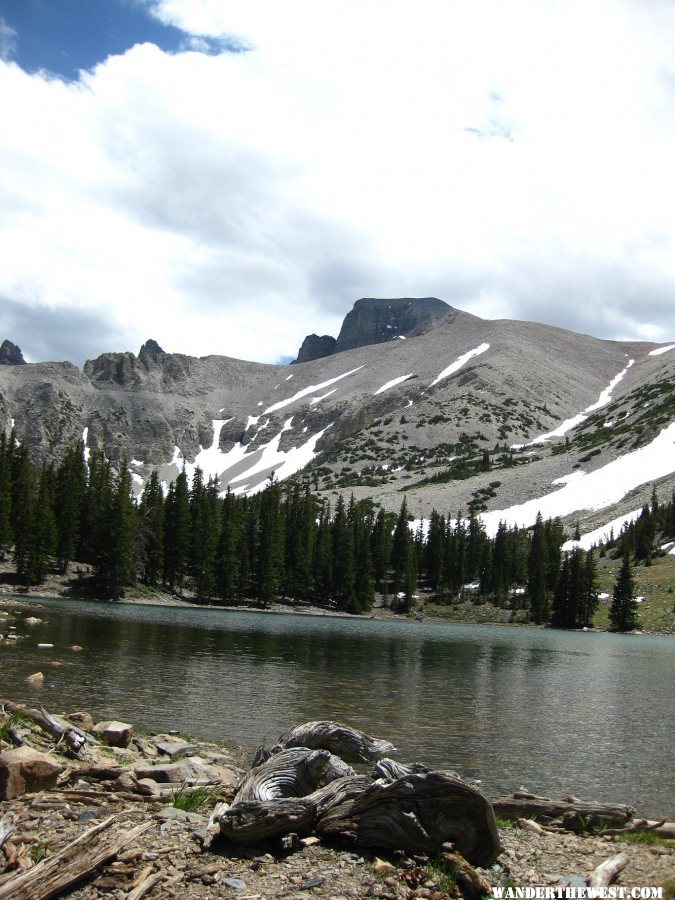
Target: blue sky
[
  {"x": 65, "y": 36},
  {"x": 513, "y": 159}
]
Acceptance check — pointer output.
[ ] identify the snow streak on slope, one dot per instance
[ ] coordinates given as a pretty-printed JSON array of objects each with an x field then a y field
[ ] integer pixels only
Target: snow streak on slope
[
  {"x": 459, "y": 362},
  {"x": 313, "y": 388},
  {"x": 284, "y": 463},
  {"x": 216, "y": 463},
  {"x": 595, "y": 490},
  {"x": 661, "y": 350},
  {"x": 604, "y": 398},
  {"x": 603, "y": 534},
  {"x": 393, "y": 383}
]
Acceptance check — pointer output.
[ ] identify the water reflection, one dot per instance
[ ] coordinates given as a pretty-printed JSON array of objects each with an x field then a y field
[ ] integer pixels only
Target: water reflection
[{"x": 559, "y": 713}]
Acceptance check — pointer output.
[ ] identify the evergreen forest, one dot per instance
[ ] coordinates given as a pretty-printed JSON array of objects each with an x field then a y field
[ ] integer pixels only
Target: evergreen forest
[{"x": 285, "y": 542}]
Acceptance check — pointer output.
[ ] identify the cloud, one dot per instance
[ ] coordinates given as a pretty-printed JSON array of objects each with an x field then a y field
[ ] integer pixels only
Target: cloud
[
  {"x": 7, "y": 40},
  {"x": 513, "y": 159}
]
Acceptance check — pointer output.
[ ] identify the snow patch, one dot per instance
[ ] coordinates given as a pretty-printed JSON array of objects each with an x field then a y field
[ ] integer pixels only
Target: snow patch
[
  {"x": 85, "y": 438},
  {"x": 252, "y": 420},
  {"x": 312, "y": 389},
  {"x": 595, "y": 490},
  {"x": 603, "y": 534},
  {"x": 316, "y": 400},
  {"x": 604, "y": 398},
  {"x": 661, "y": 350},
  {"x": 459, "y": 362},
  {"x": 393, "y": 383},
  {"x": 137, "y": 463}
]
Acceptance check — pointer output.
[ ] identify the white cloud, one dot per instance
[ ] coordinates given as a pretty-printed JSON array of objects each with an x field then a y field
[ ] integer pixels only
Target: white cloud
[{"x": 513, "y": 159}]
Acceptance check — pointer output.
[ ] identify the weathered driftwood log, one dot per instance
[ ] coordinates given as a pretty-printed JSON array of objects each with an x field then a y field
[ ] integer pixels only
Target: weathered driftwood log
[
  {"x": 471, "y": 884},
  {"x": 6, "y": 829},
  {"x": 52, "y": 876},
  {"x": 348, "y": 743},
  {"x": 530, "y": 807},
  {"x": 418, "y": 813},
  {"x": 389, "y": 770},
  {"x": 290, "y": 773},
  {"x": 73, "y": 737},
  {"x": 256, "y": 821},
  {"x": 607, "y": 871}
]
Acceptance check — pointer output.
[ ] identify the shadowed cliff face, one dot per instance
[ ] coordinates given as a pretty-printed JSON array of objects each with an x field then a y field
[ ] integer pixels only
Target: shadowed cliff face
[
  {"x": 11, "y": 355},
  {"x": 374, "y": 321}
]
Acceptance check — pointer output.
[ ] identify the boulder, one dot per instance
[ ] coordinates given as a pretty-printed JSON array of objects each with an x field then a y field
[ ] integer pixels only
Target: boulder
[
  {"x": 175, "y": 749},
  {"x": 24, "y": 769},
  {"x": 193, "y": 770},
  {"x": 36, "y": 679},
  {"x": 82, "y": 719},
  {"x": 115, "y": 734}
]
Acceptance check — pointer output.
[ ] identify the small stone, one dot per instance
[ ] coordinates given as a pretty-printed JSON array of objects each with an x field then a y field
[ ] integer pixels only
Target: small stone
[
  {"x": 32, "y": 620},
  {"x": 76, "y": 648},
  {"x": 310, "y": 841},
  {"x": 235, "y": 883},
  {"x": 82, "y": 719},
  {"x": 36, "y": 680},
  {"x": 115, "y": 734},
  {"x": 45, "y": 646},
  {"x": 172, "y": 814},
  {"x": 380, "y": 866}
]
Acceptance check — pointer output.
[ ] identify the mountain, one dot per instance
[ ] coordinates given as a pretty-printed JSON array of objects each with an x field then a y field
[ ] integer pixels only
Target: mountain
[
  {"x": 454, "y": 417},
  {"x": 373, "y": 321}
]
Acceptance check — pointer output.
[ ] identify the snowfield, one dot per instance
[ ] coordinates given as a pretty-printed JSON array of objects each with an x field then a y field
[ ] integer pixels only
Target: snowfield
[{"x": 459, "y": 362}]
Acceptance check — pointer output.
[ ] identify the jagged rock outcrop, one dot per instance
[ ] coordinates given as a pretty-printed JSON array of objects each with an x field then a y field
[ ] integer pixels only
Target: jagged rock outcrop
[
  {"x": 375, "y": 321},
  {"x": 316, "y": 347},
  {"x": 11, "y": 355}
]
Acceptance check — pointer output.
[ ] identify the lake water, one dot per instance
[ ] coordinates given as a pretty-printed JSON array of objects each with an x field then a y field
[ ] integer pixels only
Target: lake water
[{"x": 588, "y": 714}]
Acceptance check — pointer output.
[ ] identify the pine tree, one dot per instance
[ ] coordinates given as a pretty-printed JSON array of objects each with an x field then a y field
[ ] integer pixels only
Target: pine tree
[
  {"x": 151, "y": 531},
  {"x": 229, "y": 551},
  {"x": 623, "y": 611},
  {"x": 177, "y": 540},
  {"x": 381, "y": 544},
  {"x": 115, "y": 565},
  {"x": 589, "y": 597},
  {"x": 343, "y": 554},
  {"x": 71, "y": 487},
  {"x": 404, "y": 567},
  {"x": 6, "y": 447},
  {"x": 538, "y": 574},
  {"x": 270, "y": 557}
]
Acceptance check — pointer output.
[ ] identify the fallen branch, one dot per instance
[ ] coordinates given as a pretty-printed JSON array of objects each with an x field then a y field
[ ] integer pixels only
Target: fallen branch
[
  {"x": 76, "y": 861},
  {"x": 73, "y": 737},
  {"x": 607, "y": 871},
  {"x": 640, "y": 825},
  {"x": 527, "y": 806}
]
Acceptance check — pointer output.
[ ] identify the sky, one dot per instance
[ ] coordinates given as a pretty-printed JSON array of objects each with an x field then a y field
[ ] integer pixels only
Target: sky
[{"x": 227, "y": 176}]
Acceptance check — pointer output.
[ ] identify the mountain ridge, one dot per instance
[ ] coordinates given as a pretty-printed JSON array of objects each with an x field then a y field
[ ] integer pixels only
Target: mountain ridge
[{"x": 375, "y": 420}]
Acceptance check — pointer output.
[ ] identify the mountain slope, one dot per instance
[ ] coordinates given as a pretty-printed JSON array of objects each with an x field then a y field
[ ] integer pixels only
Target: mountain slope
[{"x": 453, "y": 418}]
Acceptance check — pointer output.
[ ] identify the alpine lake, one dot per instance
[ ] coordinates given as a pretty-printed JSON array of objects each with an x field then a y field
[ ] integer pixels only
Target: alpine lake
[{"x": 589, "y": 714}]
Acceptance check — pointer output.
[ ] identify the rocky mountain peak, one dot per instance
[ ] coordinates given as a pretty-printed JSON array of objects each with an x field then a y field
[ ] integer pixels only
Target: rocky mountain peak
[
  {"x": 11, "y": 355},
  {"x": 150, "y": 351},
  {"x": 376, "y": 321}
]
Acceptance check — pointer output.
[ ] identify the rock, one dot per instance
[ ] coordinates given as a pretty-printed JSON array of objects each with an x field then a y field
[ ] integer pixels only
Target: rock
[
  {"x": 235, "y": 883},
  {"x": 115, "y": 734},
  {"x": 32, "y": 620},
  {"x": 11, "y": 355},
  {"x": 374, "y": 321},
  {"x": 315, "y": 347},
  {"x": 175, "y": 749},
  {"x": 24, "y": 769},
  {"x": 172, "y": 814},
  {"x": 193, "y": 770},
  {"x": 36, "y": 680},
  {"x": 45, "y": 646},
  {"x": 82, "y": 719},
  {"x": 381, "y": 866},
  {"x": 76, "y": 648}
]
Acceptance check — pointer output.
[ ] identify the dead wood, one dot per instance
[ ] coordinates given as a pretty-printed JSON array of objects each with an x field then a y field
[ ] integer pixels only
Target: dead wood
[
  {"x": 77, "y": 860},
  {"x": 251, "y": 822},
  {"x": 607, "y": 871},
  {"x": 389, "y": 770},
  {"x": 348, "y": 743},
  {"x": 527, "y": 806},
  {"x": 418, "y": 813},
  {"x": 530, "y": 825},
  {"x": 6, "y": 829},
  {"x": 666, "y": 829},
  {"x": 471, "y": 884},
  {"x": 144, "y": 886},
  {"x": 74, "y": 738},
  {"x": 290, "y": 773}
]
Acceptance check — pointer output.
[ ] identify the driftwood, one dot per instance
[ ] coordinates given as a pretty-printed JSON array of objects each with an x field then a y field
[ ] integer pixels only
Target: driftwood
[
  {"x": 418, "y": 813},
  {"x": 349, "y": 744},
  {"x": 74, "y": 738},
  {"x": 6, "y": 829},
  {"x": 471, "y": 884},
  {"x": 407, "y": 808},
  {"x": 291, "y": 773},
  {"x": 76, "y": 861},
  {"x": 523, "y": 805},
  {"x": 607, "y": 871}
]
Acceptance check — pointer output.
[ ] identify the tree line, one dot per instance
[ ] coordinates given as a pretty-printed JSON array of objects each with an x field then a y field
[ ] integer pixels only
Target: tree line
[{"x": 287, "y": 542}]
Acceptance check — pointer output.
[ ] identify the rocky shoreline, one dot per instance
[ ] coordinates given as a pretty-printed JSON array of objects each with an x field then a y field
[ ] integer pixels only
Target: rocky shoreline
[{"x": 152, "y": 795}]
